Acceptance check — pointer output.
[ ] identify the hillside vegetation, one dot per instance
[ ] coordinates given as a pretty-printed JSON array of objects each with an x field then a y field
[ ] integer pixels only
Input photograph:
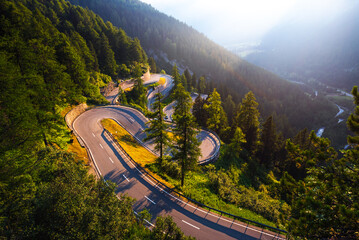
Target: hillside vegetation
[
  {"x": 53, "y": 55},
  {"x": 167, "y": 39}
]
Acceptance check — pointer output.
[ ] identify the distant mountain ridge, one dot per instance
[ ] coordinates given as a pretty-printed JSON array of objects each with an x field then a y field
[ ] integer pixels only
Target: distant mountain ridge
[
  {"x": 166, "y": 39},
  {"x": 327, "y": 52}
]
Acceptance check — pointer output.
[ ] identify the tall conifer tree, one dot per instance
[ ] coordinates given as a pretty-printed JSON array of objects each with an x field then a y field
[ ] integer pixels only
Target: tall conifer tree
[
  {"x": 187, "y": 146},
  {"x": 158, "y": 128},
  {"x": 247, "y": 119},
  {"x": 189, "y": 80},
  {"x": 176, "y": 76},
  {"x": 217, "y": 118},
  {"x": 268, "y": 141}
]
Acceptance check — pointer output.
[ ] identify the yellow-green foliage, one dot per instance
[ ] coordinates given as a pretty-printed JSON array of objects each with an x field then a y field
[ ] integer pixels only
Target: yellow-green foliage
[
  {"x": 162, "y": 81},
  {"x": 99, "y": 79},
  {"x": 256, "y": 201},
  {"x": 128, "y": 89},
  {"x": 138, "y": 153},
  {"x": 76, "y": 148}
]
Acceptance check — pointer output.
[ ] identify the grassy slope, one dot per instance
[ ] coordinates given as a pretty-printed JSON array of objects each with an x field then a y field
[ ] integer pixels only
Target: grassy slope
[
  {"x": 196, "y": 184},
  {"x": 76, "y": 148},
  {"x": 137, "y": 152}
]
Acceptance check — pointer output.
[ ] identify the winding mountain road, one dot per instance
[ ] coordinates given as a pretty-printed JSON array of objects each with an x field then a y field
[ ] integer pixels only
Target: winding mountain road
[{"x": 113, "y": 164}]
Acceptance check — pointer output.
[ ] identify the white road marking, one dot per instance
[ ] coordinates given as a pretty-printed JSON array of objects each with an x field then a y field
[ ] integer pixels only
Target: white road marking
[
  {"x": 190, "y": 224},
  {"x": 125, "y": 178},
  {"x": 150, "y": 200},
  {"x": 93, "y": 134},
  {"x": 196, "y": 207},
  {"x": 101, "y": 146},
  {"x": 111, "y": 159}
]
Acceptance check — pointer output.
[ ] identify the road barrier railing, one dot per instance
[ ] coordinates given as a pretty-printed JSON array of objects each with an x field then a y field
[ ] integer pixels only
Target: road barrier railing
[
  {"x": 203, "y": 162},
  {"x": 215, "y": 156},
  {"x": 162, "y": 186}
]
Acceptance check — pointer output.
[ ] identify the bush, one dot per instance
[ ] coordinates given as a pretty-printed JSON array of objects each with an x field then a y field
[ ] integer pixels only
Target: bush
[
  {"x": 171, "y": 168},
  {"x": 259, "y": 202}
]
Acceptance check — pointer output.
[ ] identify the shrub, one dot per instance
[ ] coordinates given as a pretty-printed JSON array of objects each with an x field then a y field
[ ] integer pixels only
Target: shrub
[
  {"x": 259, "y": 202},
  {"x": 171, "y": 168}
]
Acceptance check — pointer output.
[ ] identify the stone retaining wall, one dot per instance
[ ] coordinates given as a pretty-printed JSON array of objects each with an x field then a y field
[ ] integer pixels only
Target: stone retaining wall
[{"x": 74, "y": 113}]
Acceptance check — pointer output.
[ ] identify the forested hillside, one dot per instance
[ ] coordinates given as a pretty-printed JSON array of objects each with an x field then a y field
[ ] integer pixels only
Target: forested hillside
[
  {"x": 168, "y": 40},
  {"x": 53, "y": 55}
]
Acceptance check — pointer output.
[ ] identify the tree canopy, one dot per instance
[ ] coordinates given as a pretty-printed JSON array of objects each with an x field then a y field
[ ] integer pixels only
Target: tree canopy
[{"x": 186, "y": 145}]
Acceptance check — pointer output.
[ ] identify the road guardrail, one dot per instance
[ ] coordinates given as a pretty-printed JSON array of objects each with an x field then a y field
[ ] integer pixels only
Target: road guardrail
[{"x": 159, "y": 184}]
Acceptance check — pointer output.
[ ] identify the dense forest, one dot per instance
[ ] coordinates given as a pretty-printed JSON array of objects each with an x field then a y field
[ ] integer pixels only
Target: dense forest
[
  {"x": 55, "y": 51},
  {"x": 170, "y": 41},
  {"x": 302, "y": 183},
  {"x": 52, "y": 55}
]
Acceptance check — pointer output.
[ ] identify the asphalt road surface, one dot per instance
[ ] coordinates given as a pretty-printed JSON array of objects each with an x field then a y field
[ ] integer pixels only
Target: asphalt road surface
[
  {"x": 113, "y": 165},
  {"x": 165, "y": 89}
]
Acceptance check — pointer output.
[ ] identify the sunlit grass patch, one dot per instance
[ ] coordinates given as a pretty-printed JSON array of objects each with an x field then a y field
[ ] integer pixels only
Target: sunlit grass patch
[
  {"x": 128, "y": 89},
  {"x": 137, "y": 152},
  {"x": 76, "y": 148},
  {"x": 197, "y": 184},
  {"x": 197, "y": 187}
]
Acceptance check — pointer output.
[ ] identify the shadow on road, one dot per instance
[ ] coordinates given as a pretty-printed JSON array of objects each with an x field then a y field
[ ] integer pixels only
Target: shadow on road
[{"x": 164, "y": 204}]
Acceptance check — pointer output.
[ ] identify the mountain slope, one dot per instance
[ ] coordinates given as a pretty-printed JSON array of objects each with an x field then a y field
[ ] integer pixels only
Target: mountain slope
[
  {"x": 325, "y": 50},
  {"x": 170, "y": 41},
  {"x": 53, "y": 54}
]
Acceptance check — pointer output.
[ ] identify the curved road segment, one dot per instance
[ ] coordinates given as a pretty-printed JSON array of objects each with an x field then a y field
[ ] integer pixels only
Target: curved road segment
[
  {"x": 113, "y": 165},
  {"x": 209, "y": 143}
]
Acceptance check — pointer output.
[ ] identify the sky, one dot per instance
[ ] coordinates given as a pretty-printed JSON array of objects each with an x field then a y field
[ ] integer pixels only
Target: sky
[
  {"x": 230, "y": 22},
  {"x": 221, "y": 21}
]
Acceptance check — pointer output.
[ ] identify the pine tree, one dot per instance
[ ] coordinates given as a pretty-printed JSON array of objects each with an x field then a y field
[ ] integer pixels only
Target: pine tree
[
  {"x": 199, "y": 112},
  {"x": 302, "y": 139},
  {"x": 185, "y": 131},
  {"x": 247, "y": 119},
  {"x": 158, "y": 128},
  {"x": 176, "y": 76},
  {"x": 325, "y": 205},
  {"x": 237, "y": 142},
  {"x": 230, "y": 108},
  {"x": 267, "y": 142},
  {"x": 152, "y": 63},
  {"x": 138, "y": 93},
  {"x": 217, "y": 119},
  {"x": 107, "y": 60},
  {"x": 201, "y": 84},
  {"x": 184, "y": 82},
  {"x": 137, "y": 71},
  {"x": 189, "y": 80},
  {"x": 137, "y": 54},
  {"x": 353, "y": 120}
]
